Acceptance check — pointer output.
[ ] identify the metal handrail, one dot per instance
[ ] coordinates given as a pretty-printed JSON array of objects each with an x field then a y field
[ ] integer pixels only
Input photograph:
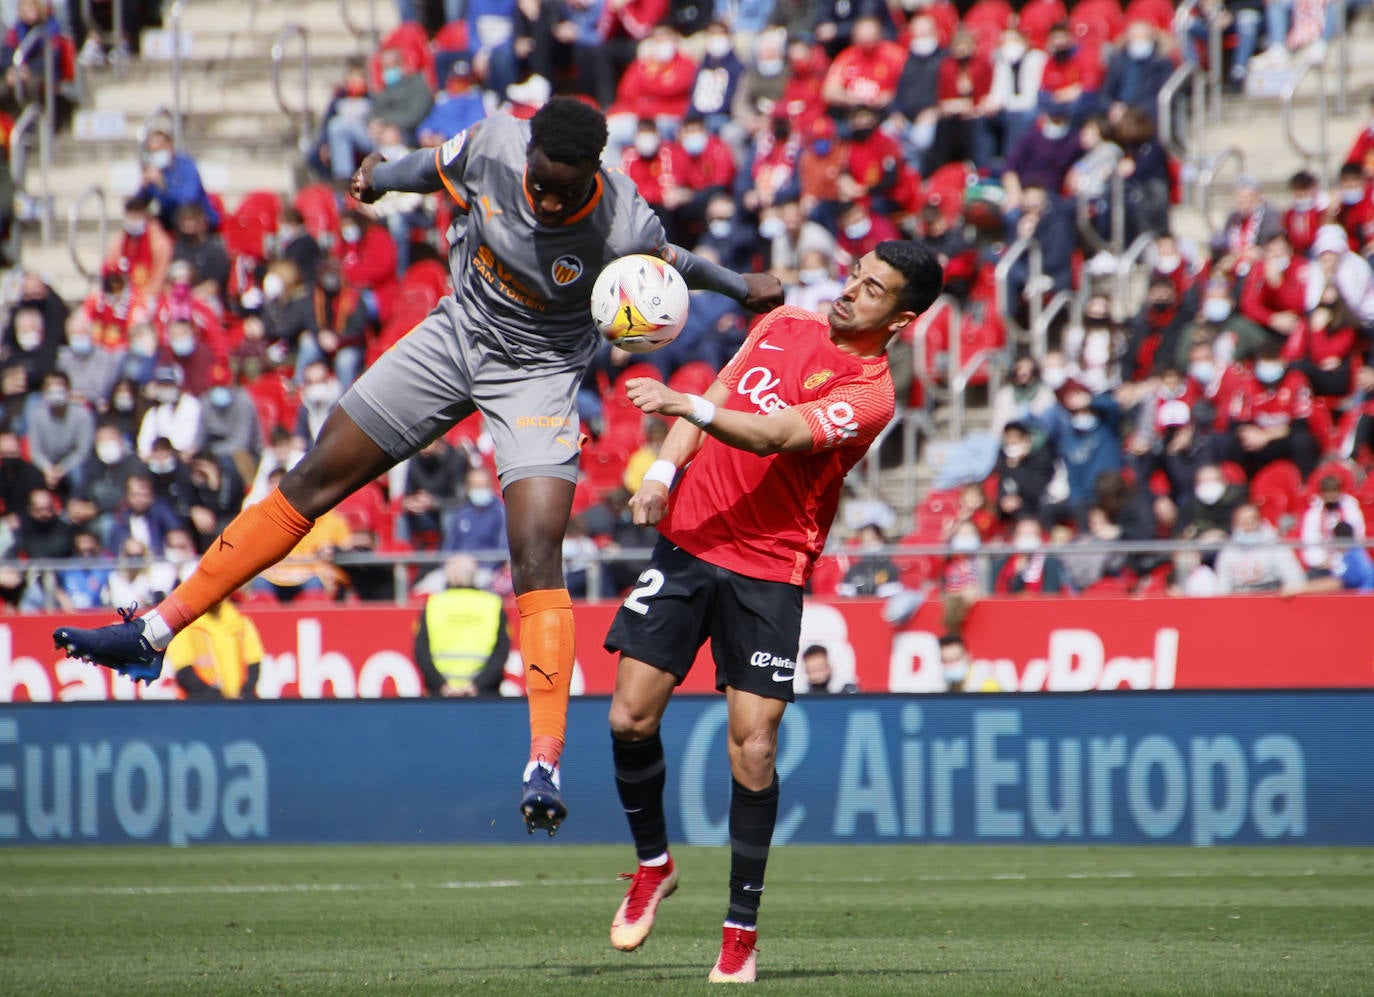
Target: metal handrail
[
  {"x": 959, "y": 382},
  {"x": 158, "y": 115},
  {"x": 1342, "y": 55},
  {"x": 943, "y": 303},
  {"x": 73, "y": 221},
  {"x": 1286, "y": 97},
  {"x": 1124, "y": 266},
  {"x": 1040, "y": 331},
  {"x": 49, "y": 115},
  {"x": 372, "y": 34},
  {"x": 19, "y": 167},
  {"x": 1025, "y": 245},
  {"x": 307, "y": 118},
  {"x": 1207, "y": 180},
  {"x": 116, "y": 33},
  {"x": 174, "y": 19},
  {"x": 1117, "y": 205},
  {"x": 1214, "y": 73},
  {"x": 1165, "y": 117}
]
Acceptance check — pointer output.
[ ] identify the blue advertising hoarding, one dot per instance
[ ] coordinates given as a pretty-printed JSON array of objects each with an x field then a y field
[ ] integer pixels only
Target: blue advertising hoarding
[{"x": 1168, "y": 768}]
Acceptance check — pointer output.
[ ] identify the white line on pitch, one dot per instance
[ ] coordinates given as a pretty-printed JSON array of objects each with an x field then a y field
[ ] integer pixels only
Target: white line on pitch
[{"x": 515, "y": 884}]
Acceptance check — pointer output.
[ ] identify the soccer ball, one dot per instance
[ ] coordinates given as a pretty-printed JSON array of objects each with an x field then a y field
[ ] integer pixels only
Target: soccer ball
[{"x": 639, "y": 303}]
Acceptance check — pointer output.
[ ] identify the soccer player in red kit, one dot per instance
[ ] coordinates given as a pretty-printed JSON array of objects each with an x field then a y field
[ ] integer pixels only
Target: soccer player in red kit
[{"x": 769, "y": 445}]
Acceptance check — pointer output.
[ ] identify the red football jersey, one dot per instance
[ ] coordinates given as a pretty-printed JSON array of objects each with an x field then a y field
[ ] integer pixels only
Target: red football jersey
[{"x": 768, "y": 517}]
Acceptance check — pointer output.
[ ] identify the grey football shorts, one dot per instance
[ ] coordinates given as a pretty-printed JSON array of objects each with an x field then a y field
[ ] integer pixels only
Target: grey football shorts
[{"x": 438, "y": 374}]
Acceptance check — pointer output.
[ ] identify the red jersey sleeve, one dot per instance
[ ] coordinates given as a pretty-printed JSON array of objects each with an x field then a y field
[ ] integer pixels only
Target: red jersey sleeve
[{"x": 851, "y": 415}]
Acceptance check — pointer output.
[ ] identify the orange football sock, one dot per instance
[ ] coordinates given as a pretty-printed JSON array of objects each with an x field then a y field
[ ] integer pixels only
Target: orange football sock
[
  {"x": 258, "y": 538},
  {"x": 546, "y": 644}
]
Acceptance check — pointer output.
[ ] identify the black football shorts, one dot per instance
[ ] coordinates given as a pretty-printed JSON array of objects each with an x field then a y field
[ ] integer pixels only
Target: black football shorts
[{"x": 680, "y": 601}]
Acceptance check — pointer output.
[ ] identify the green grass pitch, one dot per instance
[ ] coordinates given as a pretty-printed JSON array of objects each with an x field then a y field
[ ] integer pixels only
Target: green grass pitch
[{"x": 534, "y": 920}]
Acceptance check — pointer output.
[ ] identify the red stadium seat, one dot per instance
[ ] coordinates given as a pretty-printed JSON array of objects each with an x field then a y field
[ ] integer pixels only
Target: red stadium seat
[
  {"x": 1336, "y": 468},
  {"x": 1277, "y": 491},
  {"x": 319, "y": 207},
  {"x": 428, "y": 274},
  {"x": 411, "y": 41},
  {"x": 251, "y": 221},
  {"x": 693, "y": 378}
]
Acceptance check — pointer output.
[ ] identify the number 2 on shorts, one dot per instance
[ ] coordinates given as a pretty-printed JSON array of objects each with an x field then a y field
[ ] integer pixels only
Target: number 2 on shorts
[{"x": 650, "y": 582}]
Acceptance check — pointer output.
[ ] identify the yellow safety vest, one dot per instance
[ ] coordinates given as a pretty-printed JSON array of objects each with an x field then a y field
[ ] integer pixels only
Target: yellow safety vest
[{"x": 463, "y": 625}]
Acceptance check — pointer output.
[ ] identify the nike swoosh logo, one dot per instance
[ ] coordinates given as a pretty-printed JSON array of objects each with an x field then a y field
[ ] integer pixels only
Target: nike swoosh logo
[
  {"x": 780, "y": 677},
  {"x": 769, "y": 346}
]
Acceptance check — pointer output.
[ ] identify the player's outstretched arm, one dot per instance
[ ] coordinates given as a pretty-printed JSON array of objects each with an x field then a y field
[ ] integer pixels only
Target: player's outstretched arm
[
  {"x": 680, "y": 445},
  {"x": 417, "y": 173},
  {"x": 785, "y": 429},
  {"x": 759, "y": 292}
]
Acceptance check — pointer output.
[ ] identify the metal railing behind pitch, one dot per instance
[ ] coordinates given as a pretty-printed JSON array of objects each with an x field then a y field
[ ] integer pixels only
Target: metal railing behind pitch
[
  {"x": 97, "y": 193},
  {"x": 304, "y": 118},
  {"x": 1029, "y": 247},
  {"x": 1321, "y": 154}
]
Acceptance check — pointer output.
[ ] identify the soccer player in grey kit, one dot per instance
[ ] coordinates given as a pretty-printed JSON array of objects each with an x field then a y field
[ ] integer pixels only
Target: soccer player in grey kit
[{"x": 512, "y": 342}]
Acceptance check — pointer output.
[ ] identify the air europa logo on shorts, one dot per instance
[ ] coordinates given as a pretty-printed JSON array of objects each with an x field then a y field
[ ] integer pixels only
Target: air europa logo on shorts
[
  {"x": 566, "y": 269},
  {"x": 764, "y": 659}
]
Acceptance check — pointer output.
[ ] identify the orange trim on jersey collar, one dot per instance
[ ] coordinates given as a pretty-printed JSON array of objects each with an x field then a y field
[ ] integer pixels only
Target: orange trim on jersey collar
[
  {"x": 453, "y": 192},
  {"x": 581, "y": 212}
]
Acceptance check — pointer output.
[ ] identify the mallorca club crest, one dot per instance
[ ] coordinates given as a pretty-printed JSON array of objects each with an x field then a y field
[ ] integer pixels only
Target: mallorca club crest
[{"x": 566, "y": 269}]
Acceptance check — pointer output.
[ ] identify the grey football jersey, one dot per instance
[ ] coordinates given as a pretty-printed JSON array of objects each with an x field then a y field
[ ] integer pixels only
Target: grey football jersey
[{"x": 519, "y": 285}]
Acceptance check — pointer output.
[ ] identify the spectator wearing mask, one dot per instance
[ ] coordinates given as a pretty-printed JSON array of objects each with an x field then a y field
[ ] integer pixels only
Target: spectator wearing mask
[
  {"x": 288, "y": 310},
  {"x": 717, "y": 83},
  {"x": 1024, "y": 471},
  {"x": 765, "y": 80},
  {"x": 1136, "y": 72},
  {"x": 43, "y": 532},
  {"x": 200, "y": 247},
  {"x": 91, "y": 371},
  {"x": 701, "y": 165},
  {"x": 1354, "y": 199},
  {"x": 1306, "y": 212},
  {"x": 1083, "y": 431},
  {"x": 1218, "y": 323},
  {"x": 1024, "y": 395},
  {"x": 1070, "y": 76},
  {"x": 1037, "y": 18},
  {"x": 1029, "y": 571},
  {"x": 1213, "y": 503},
  {"x": 1048, "y": 219},
  {"x": 104, "y": 478},
  {"x": 175, "y": 413},
  {"x": 1165, "y": 432},
  {"x": 1324, "y": 348},
  {"x": 657, "y": 85},
  {"x": 956, "y": 667},
  {"x": 229, "y": 424},
  {"x": 434, "y": 478},
  {"x": 138, "y": 581},
  {"x": 110, "y": 307},
  {"x": 877, "y": 170},
  {"x": 1269, "y": 417},
  {"x": 342, "y": 326},
  {"x": 172, "y": 180},
  {"x": 181, "y": 302},
  {"x": 820, "y": 674},
  {"x": 457, "y": 107},
  {"x": 1329, "y": 508},
  {"x": 915, "y": 111},
  {"x": 1253, "y": 560},
  {"x": 1274, "y": 294},
  {"x": 171, "y": 480},
  {"x": 1042, "y": 157},
  {"x": 216, "y": 498},
  {"x": 367, "y": 260},
  {"x": 127, "y": 407},
  {"x": 478, "y": 523},
  {"x": 188, "y": 353},
  {"x": 295, "y": 244},
  {"x": 404, "y": 100},
  {"x": 31, "y": 345},
  {"x": 961, "y": 577},
  {"x": 871, "y": 572},
  {"x": 85, "y": 586},
  {"x": 860, "y": 230},
  {"x": 1249, "y": 227},
  {"x": 654, "y": 167},
  {"x": 345, "y": 133},
  {"x": 1337, "y": 265},
  {"x": 60, "y": 433},
  {"x": 462, "y": 639},
  {"x": 1098, "y": 344},
  {"x": 733, "y": 241},
  {"x": 1014, "y": 95},
  {"x": 319, "y": 393},
  {"x": 963, "y": 89},
  {"x": 817, "y": 286},
  {"x": 1157, "y": 330},
  {"x": 142, "y": 250}
]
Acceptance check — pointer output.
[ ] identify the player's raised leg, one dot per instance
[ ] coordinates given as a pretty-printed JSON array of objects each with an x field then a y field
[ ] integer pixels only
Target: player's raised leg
[
  {"x": 538, "y": 509},
  {"x": 753, "y": 746},
  {"x": 343, "y": 459},
  {"x": 641, "y": 695}
]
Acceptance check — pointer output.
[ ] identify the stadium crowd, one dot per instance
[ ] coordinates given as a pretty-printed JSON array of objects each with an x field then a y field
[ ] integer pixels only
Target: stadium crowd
[{"x": 1233, "y": 406}]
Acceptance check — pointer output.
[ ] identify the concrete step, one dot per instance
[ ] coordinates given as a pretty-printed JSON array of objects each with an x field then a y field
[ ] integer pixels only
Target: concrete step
[{"x": 135, "y": 99}]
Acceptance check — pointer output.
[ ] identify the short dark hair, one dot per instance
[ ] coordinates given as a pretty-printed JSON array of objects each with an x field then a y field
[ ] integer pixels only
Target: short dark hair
[
  {"x": 815, "y": 649},
  {"x": 1352, "y": 171},
  {"x": 1302, "y": 180},
  {"x": 951, "y": 638},
  {"x": 137, "y": 203},
  {"x": 568, "y": 131},
  {"x": 920, "y": 269}
]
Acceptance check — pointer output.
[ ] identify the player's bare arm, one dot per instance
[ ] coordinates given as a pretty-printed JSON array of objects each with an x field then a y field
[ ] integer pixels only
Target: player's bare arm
[
  {"x": 417, "y": 173},
  {"x": 681, "y": 444},
  {"x": 776, "y": 432}
]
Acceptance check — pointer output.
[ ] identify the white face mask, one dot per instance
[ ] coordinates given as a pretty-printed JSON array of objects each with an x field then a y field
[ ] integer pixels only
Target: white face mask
[
  {"x": 924, "y": 45},
  {"x": 770, "y": 67},
  {"x": 956, "y": 671},
  {"x": 1216, "y": 309},
  {"x": 718, "y": 46},
  {"x": 350, "y": 234},
  {"x": 646, "y": 144},
  {"x": 1168, "y": 264},
  {"x": 1017, "y": 451},
  {"x": 28, "y": 339},
  {"x": 663, "y": 51},
  {"x": 694, "y": 143},
  {"x": 136, "y": 228},
  {"x": 1025, "y": 542},
  {"x": 1084, "y": 421},
  {"x": 1013, "y": 51},
  {"x": 1140, "y": 48},
  {"x": 1352, "y": 197},
  {"x": 771, "y": 228},
  {"x": 161, "y": 159},
  {"x": 1209, "y": 492},
  {"x": 859, "y": 229},
  {"x": 109, "y": 452},
  {"x": 812, "y": 277},
  {"x": 1269, "y": 372},
  {"x": 963, "y": 543},
  {"x": 273, "y": 286},
  {"x": 718, "y": 227},
  {"x": 319, "y": 393},
  {"x": 1054, "y": 132},
  {"x": 1054, "y": 377},
  {"x": 481, "y": 497},
  {"x": 1201, "y": 371}
]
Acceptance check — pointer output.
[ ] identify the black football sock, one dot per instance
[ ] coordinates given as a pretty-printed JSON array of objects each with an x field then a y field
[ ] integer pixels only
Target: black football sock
[
  {"x": 752, "y": 816},
  {"x": 640, "y": 774}
]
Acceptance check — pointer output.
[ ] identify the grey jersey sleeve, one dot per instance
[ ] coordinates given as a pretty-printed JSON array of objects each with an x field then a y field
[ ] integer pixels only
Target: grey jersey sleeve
[
  {"x": 703, "y": 275},
  {"x": 417, "y": 173}
]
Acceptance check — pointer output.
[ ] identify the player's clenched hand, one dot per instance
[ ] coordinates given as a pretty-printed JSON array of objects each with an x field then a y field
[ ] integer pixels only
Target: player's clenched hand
[
  {"x": 765, "y": 292},
  {"x": 649, "y": 503},
  {"x": 362, "y": 180},
  {"x": 655, "y": 396}
]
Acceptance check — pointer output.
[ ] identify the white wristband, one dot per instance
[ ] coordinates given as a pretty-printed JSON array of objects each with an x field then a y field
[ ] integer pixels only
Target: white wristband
[
  {"x": 703, "y": 412},
  {"x": 662, "y": 471}
]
